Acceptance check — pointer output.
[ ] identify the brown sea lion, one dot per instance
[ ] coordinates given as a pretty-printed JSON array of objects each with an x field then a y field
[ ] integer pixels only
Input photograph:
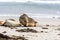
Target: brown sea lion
[
  {"x": 23, "y": 19},
  {"x": 31, "y": 22},
  {"x": 12, "y": 19},
  {"x": 27, "y": 21}
]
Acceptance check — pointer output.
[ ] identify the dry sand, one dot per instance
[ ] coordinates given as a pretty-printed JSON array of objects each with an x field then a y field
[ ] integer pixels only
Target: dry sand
[
  {"x": 51, "y": 30},
  {"x": 52, "y": 33}
]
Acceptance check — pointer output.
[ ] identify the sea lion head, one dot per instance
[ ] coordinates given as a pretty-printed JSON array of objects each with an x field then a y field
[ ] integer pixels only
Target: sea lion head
[
  {"x": 24, "y": 15},
  {"x": 23, "y": 19},
  {"x": 27, "y": 21}
]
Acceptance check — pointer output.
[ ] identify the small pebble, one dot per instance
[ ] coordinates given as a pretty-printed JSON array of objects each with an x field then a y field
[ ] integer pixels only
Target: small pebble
[
  {"x": 44, "y": 28},
  {"x": 4, "y": 32}
]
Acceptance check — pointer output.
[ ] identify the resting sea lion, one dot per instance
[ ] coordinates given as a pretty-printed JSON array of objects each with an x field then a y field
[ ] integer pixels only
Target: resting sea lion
[
  {"x": 23, "y": 19},
  {"x": 12, "y": 23},
  {"x": 31, "y": 23},
  {"x": 27, "y": 21}
]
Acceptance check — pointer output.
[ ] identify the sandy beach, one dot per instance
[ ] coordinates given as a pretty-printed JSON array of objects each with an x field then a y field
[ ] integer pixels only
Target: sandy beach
[
  {"x": 43, "y": 17},
  {"x": 52, "y": 33},
  {"x": 47, "y": 29}
]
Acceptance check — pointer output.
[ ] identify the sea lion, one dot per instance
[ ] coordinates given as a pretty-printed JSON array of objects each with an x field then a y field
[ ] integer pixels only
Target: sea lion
[
  {"x": 12, "y": 23},
  {"x": 23, "y": 19},
  {"x": 27, "y": 21},
  {"x": 31, "y": 22}
]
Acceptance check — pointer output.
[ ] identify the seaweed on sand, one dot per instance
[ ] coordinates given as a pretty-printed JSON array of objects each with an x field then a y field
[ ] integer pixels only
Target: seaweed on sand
[
  {"x": 5, "y": 37},
  {"x": 27, "y": 30}
]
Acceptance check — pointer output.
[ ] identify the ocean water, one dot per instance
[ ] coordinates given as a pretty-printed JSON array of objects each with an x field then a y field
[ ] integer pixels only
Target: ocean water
[{"x": 32, "y": 9}]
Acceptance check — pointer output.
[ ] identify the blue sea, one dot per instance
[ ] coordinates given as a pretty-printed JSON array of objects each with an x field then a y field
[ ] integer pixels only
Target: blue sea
[{"x": 32, "y": 9}]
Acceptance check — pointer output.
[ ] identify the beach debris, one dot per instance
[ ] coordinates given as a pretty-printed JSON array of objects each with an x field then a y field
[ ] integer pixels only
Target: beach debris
[
  {"x": 44, "y": 28},
  {"x": 58, "y": 29},
  {"x": 12, "y": 23},
  {"x": 5, "y": 37},
  {"x": 27, "y": 21},
  {"x": 46, "y": 32},
  {"x": 1, "y": 23},
  {"x": 18, "y": 38},
  {"x": 47, "y": 25},
  {"x": 27, "y": 30},
  {"x": 42, "y": 31},
  {"x": 4, "y": 32}
]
